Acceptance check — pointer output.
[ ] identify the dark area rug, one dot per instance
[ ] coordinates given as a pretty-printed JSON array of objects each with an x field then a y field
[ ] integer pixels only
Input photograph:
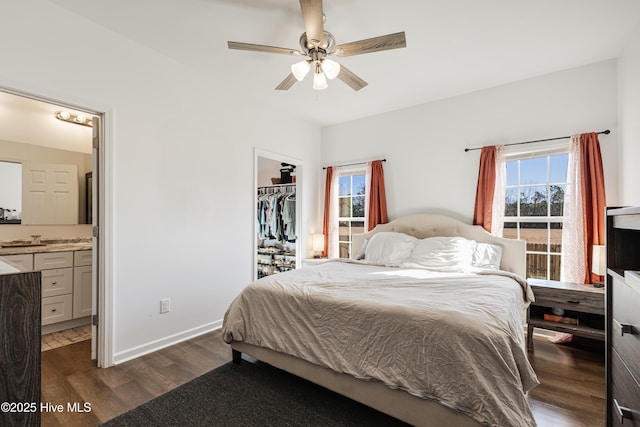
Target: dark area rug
[{"x": 251, "y": 394}]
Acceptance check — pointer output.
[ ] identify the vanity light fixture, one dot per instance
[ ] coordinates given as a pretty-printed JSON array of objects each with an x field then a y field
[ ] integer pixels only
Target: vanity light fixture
[{"x": 78, "y": 119}]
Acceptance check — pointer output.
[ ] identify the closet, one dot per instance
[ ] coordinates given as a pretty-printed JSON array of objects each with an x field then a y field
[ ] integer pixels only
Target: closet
[
  {"x": 276, "y": 229},
  {"x": 276, "y": 218}
]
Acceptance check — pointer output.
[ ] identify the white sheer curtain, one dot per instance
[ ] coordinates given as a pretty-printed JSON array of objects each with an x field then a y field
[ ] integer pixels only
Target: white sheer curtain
[
  {"x": 573, "y": 265},
  {"x": 367, "y": 195},
  {"x": 333, "y": 246},
  {"x": 499, "y": 195}
]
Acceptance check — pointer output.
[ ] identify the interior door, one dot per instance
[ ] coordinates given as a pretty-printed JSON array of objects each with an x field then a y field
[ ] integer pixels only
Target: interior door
[
  {"x": 50, "y": 194},
  {"x": 95, "y": 221}
]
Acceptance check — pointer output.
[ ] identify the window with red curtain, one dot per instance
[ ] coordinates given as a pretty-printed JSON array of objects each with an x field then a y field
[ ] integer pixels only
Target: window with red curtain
[{"x": 355, "y": 202}]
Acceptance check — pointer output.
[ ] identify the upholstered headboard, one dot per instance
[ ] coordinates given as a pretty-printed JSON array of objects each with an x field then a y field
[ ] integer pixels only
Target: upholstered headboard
[{"x": 430, "y": 225}]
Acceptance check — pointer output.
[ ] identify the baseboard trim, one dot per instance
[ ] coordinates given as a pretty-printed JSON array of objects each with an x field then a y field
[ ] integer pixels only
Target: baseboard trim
[
  {"x": 150, "y": 347},
  {"x": 61, "y": 326}
]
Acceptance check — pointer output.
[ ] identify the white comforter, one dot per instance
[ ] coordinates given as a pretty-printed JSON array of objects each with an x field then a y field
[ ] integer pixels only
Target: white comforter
[{"x": 453, "y": 337}]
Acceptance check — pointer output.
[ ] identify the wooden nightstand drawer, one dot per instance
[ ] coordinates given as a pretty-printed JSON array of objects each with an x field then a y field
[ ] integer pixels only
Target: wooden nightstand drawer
[
  {"x": 570, "y": 300},
  {"x": 584, "y": 303},
  {"x": 625, "y": 393},
  {"x": 625, "y": 324}
]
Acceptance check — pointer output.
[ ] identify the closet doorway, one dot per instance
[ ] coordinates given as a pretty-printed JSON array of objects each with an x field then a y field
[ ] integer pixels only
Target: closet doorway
[
  {"x": 278, "y": 240},
  {"x": 43, "y": 137}
]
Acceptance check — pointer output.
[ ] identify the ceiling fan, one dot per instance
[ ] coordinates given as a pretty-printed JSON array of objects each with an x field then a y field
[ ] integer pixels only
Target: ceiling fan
[{"x": 318, "y": 44}]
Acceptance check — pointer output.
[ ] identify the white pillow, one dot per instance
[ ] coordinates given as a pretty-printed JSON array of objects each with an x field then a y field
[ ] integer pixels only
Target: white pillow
[
  {"x": 487, "y": 256},
  {"x": 362, "y": 251},
  {"x": 389, "y": 248},
  {"x": 443, "y": 252}
]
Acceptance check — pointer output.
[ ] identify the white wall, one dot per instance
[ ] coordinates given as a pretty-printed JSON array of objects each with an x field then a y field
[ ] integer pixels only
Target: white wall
[
  {"x": 629, "y": 95},
  {"x": 267, "y": 169},
  {"x": 427, "y": 168},
  {"x": 180, "y": 150}
]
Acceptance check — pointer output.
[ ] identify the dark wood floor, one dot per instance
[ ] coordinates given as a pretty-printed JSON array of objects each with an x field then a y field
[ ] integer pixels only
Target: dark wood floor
[
  {"x": 572, "y": 386},
  {"x": 571, "y": 393}
]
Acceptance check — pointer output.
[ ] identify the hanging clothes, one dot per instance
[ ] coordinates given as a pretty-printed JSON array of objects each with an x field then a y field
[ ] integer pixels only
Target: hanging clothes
[
  {"x": 289, "y": 216},
  {"x": 276, "y": 215}
]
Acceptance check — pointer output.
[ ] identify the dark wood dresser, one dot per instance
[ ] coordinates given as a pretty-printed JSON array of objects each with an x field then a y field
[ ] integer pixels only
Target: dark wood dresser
[
  {"x": 623, "y": 316},
  {"x": 20, "y": 307}
]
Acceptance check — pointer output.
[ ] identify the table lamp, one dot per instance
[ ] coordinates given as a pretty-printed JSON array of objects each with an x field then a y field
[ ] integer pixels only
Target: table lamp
[
  {"x": 599, "y": 263},
  {"x": 318, "y": 245}
]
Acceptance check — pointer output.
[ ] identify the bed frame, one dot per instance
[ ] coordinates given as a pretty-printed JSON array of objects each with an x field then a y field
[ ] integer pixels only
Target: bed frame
[{"x": 397, "y": 403}]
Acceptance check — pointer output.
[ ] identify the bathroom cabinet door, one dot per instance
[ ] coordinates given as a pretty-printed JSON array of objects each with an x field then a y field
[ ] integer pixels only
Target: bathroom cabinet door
[{"x": 82, "y": 291}]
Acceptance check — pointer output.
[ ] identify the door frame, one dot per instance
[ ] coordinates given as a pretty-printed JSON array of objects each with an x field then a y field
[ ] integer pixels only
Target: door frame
[
  {"x": 300, "y": 237},
  {"x": 101, "y": 202}
]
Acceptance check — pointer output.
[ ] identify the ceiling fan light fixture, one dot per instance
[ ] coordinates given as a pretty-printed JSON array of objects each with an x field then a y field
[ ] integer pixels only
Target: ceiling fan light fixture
[
  {"x": 300, "y": 69},
  {"x": 317, "y": 44},
  {"x": 319, "y": 80},
  {"x": 331, "y": 68}
]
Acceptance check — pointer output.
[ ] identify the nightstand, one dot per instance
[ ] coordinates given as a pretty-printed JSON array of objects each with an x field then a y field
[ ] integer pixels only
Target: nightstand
[
  {"x": 582, "y": 302},
  {"x": 308, "y": 262}
]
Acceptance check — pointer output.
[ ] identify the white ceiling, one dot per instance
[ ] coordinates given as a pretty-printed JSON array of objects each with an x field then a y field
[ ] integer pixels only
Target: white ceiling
[{"x": 453, "y": 46}]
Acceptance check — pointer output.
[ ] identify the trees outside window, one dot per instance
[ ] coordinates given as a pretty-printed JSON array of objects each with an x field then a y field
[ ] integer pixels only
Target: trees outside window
[
  {"x": 351, "y": 215},
  {"x": 534, "y": 205}
]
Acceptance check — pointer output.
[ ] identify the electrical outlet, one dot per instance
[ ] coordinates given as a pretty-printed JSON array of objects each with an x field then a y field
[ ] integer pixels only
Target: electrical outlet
[{"x": 165, "y": 305}]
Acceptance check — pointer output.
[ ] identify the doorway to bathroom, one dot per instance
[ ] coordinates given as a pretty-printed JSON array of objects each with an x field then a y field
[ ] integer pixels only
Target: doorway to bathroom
[{"x": 53, "y": 220}]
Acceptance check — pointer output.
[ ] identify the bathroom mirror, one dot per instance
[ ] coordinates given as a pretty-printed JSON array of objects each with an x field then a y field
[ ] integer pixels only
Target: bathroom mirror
[
  {"x": 10, "y": 192},
  {"x": 48, "y": 159},
  {"x": 34, "y": 191}
]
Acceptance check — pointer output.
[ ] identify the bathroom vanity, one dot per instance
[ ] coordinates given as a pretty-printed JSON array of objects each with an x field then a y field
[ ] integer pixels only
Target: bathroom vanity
[{"x": 66, "y": 277}]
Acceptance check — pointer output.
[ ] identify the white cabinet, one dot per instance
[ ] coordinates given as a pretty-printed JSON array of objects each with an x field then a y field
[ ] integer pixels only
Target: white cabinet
[
  {"x": 23, "y": 261},
  {"x": 82, "y": 280},
  {"x": 66, "y": 282},
  {"x": 82, "y": 258},
  {"x": 48, "y": 260},
  {"x": 57, "y": 282},
  {"x": 56, "y": 309},
  {"x": 57, "y": 285}
]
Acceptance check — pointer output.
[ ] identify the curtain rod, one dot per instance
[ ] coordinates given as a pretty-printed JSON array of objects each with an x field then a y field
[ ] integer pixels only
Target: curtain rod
[
  {"x": 353, "y": 164},
  {"x": 606, "y": 132}
]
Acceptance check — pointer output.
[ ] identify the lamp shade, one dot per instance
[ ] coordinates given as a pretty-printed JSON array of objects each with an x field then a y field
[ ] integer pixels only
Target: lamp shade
[
  {"x": 318, "y": 242},
  {"x": 599, "y": 261},
  {"x": 330, "y": 68},
  {"x": 300, "y": 69},
  {"x": 319, "y": 80}
]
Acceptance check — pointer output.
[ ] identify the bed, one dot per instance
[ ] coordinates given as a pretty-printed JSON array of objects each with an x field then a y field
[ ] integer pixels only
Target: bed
[{"x": 428, "y": 327}]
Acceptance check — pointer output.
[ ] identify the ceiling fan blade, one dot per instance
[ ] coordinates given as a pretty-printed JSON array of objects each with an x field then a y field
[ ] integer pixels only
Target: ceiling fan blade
[
  {"x": 287, "y": 82},
  {"x": 262, "y": 48},
  {"x": 353, "y": 81},
  {"x": 374, "y": 44},
  {"x": 313, "y": 22}
]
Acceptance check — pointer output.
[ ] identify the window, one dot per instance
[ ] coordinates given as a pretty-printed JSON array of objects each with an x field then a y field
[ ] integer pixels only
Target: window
[
  {"x": 351, "y": 217},
  {"x": 534, "y": 206}
]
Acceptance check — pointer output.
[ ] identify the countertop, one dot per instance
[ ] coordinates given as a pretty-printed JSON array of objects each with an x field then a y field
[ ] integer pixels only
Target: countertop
[
  {"x": 60, "y": 245},
  {"x": 7, "y": 268}
]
